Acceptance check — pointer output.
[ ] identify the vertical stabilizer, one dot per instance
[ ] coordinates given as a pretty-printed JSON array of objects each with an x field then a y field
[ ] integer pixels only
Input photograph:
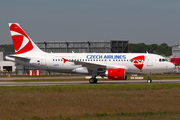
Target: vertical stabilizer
[{"x": 22, "y": 42}]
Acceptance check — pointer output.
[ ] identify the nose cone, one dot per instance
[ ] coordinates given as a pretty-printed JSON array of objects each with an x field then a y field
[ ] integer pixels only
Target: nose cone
[{"x": 171, "y": 66}]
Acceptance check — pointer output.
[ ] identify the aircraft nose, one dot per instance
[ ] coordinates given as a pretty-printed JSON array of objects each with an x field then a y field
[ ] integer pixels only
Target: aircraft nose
[{"x": 171, "y": 66}]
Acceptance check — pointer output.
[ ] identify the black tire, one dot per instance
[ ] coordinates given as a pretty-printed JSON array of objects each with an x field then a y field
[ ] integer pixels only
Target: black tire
[
  {"x": 95, "y": 80},
  {"x": 125, "y": 77},
  {"x": 149, "y": 81},
  {"x": 91, "y": 80}
]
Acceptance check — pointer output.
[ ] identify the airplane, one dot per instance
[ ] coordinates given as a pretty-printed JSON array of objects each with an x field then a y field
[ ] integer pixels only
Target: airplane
[{"x": 115, "y": 66}]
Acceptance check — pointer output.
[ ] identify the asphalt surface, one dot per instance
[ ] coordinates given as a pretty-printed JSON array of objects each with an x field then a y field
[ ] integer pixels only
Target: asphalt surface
[{"x": 84, "y": 82}]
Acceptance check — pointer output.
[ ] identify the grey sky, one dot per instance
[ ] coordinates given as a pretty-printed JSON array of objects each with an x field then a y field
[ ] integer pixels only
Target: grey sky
[{"x": 139, "y": 21}]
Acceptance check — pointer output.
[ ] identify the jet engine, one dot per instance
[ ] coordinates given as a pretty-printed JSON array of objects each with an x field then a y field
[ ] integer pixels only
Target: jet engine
[{"x": 116, "y": 74}]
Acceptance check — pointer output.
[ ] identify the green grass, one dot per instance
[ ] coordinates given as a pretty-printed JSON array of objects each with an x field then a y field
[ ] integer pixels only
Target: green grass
[
  {"x": 46, "y": 80},
  {"x": 157, "y": 77},
  {"x": 160, "y": 77},
  {"x": 53, "y": 75},
  {"x": 92, "y": 87},
  {"x": 50, "y": 78},
  {"x": 91, "y": 102}
]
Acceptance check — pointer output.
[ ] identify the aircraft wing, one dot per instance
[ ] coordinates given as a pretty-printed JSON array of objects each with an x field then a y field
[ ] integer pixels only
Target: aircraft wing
[{"x": 97, "y": 67}]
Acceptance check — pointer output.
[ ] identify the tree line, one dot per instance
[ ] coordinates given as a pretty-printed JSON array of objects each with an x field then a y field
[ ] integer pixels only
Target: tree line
[
  {"x": 7, "y": 48},
  {"x": 162, "y": 49}
]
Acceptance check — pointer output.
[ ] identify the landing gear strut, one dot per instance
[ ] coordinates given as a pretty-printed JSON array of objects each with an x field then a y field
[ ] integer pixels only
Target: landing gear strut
[{"x": 149, "y": 79}]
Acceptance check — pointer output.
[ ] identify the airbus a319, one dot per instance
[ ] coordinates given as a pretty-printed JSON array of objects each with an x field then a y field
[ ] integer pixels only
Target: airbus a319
[{"x": 115, "y": 66}]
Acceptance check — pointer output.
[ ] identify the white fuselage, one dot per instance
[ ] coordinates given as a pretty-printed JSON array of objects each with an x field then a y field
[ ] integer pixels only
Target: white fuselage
[
  {"x": 131, "y": 62},
  {"x": 113, "y": 65}
]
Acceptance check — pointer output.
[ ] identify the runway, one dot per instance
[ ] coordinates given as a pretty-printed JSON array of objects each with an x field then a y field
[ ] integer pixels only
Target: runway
[{"x": 85, "y": 82}]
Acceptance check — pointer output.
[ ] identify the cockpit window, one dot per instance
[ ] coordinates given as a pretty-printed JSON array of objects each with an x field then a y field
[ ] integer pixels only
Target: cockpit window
[{"x": 162, "y": 60}]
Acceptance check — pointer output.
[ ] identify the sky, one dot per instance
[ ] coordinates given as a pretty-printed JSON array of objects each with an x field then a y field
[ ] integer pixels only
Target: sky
[{"x": 139, "y": 21}]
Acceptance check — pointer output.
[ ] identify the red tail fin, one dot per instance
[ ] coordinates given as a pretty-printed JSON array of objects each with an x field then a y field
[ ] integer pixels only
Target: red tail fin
[{"x": 22, "y": 42}]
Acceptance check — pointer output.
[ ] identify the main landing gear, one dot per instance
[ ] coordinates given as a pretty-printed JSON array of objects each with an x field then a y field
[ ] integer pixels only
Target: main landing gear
[
  {"x": 93, "y": 80},
  {"x": 149, "y": 79}
]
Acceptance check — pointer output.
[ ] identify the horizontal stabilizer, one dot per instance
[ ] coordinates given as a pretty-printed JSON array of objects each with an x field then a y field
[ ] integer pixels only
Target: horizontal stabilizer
[{"x": 17, "y": 56}]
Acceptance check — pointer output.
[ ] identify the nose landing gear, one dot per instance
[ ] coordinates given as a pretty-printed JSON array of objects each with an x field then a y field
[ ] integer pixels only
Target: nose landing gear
[{"x": 149, "y": 79}]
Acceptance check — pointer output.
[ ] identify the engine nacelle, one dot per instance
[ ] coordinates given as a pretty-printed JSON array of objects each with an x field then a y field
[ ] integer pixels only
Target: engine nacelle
[{"x": 116, "y": 74}]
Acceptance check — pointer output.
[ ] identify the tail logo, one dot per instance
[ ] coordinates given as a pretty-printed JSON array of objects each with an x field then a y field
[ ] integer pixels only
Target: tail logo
[
  {"x": 21, "y": 41},
  {"x": 138, "y": 61}
]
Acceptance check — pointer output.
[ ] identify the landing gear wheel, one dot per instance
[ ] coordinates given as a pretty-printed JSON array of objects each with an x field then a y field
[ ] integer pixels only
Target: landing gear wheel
[
  {"x": 92, "y": 80},
  {"x": 95, "y": 80},
  {"x": 149, "y": 81},
  {"x": 125, "y": 77}
]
